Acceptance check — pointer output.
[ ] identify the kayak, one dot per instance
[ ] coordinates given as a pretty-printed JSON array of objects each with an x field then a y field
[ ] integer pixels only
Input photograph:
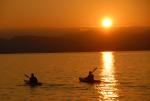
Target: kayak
[
  {"x": 87, "y": 81},
  {"x": 32, "y": 84}
]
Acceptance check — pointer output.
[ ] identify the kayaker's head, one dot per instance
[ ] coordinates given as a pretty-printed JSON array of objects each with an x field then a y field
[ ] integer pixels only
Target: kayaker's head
[
  {"x": 32, "y": 74},
  {"x": 90, "y": 72}
]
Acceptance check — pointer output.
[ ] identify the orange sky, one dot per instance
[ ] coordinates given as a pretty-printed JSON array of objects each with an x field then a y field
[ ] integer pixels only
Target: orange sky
[{"x": 72, "y": 13}]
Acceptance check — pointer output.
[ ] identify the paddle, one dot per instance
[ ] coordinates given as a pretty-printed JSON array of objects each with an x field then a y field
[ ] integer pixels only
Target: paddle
[
  {"x": 26, "y": 76},
  {"x": 94, "y": 70}
]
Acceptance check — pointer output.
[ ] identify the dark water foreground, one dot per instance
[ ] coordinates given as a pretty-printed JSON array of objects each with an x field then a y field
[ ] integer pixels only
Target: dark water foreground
[{"x": 124, "y": 75}]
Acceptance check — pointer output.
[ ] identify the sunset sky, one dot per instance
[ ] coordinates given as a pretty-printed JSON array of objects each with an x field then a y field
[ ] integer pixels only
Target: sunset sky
[{"x": 72, "y": 13}]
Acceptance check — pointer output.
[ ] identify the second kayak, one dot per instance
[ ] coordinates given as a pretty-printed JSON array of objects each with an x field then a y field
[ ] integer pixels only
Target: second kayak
[{"x": 87, "y": 81}]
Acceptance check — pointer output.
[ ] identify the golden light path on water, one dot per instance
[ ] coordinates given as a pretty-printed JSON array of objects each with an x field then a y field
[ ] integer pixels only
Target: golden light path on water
[{"x": 107, "y": 89}]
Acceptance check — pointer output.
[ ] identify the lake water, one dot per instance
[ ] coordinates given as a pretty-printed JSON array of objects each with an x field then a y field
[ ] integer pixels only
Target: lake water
[{"x": 125, "y": 76}]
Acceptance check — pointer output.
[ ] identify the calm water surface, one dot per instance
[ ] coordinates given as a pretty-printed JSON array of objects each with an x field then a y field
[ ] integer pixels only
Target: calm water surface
[{"x": 125, "y": 76}]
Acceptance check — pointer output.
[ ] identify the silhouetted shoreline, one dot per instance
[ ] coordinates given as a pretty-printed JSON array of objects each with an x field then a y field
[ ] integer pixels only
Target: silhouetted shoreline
[{"x": 89, "y": 40}]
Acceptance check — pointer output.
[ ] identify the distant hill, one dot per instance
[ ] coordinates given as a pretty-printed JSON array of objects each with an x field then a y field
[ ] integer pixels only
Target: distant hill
[{"x": 83, "y": 40}]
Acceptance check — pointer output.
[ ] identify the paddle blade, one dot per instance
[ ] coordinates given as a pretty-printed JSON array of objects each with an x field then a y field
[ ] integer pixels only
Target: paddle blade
[
  {"x": 94, "y": 69},
  {"x": 26, "y": 76}
]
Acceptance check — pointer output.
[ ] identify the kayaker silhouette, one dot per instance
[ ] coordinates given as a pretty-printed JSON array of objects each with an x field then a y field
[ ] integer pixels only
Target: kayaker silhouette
[
  {"x": 33, "y": 79},
  {"x": 90, "y": 77}
]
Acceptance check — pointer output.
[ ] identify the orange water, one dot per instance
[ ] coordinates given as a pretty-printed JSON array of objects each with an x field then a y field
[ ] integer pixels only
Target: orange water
[{"x": 125, "y": 76}]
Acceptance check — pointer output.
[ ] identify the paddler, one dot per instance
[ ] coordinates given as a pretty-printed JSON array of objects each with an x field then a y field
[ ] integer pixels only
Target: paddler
[
  {"x": 33, "y": 79},
  {"x": 90, "y": 77}
]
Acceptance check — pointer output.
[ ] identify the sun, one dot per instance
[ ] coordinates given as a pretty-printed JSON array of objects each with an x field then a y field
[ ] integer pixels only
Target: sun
[{"x": 107, "y": 23}]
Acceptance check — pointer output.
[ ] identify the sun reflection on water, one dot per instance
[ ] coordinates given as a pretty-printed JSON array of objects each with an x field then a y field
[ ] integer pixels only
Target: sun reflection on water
[{"x": 107, "y": 89}]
